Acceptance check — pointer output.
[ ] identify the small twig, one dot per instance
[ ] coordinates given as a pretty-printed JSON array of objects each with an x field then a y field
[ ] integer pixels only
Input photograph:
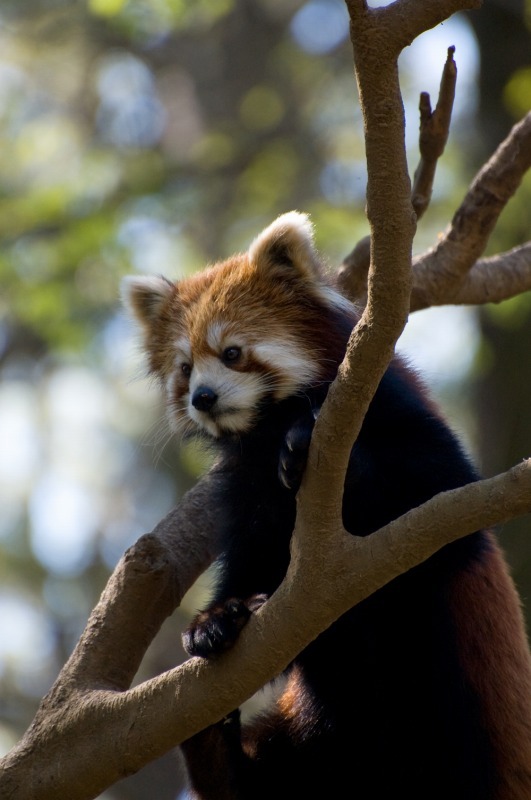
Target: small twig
[{"x": 434, "y": 128}]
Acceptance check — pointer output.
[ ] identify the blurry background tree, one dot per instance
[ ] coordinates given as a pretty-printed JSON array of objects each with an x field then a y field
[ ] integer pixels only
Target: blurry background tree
[
  {"x": 502, "y": 379},
  {"x": 154, "y": 136}
]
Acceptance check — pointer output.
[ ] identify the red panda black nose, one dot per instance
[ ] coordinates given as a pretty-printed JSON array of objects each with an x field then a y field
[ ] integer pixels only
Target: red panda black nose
[{"x": 204, "y": 398}]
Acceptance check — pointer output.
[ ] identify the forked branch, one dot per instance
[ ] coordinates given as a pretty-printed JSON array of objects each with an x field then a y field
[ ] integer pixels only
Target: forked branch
[{"x": 434, "y": 128}]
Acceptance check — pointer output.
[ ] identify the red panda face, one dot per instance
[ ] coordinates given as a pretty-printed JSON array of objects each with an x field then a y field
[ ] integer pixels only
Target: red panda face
[
  {"x": 224, "y": 369},
  {"x": 238, "y": 334}
]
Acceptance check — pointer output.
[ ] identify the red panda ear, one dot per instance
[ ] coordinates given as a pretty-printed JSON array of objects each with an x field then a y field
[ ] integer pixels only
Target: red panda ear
[
  {"x": 288, "y": 241},
  {"x": 145, "y": 297}
]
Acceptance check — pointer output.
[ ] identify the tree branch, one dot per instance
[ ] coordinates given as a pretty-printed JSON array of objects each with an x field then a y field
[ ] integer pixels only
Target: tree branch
[
  {"x": 441, "y": 272},
  {"x": 492, "y": 280},
  {"x": 392, "y": 222},
  {"x": 146, "y": 721}
]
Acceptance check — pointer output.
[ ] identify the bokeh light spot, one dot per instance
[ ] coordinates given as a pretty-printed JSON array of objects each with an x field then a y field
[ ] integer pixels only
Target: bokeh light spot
[{"x": 320, "y": 26}]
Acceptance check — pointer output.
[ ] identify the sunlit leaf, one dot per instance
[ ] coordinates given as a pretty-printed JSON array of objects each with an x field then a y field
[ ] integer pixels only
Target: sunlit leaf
[{"x": 106, "y": 8}]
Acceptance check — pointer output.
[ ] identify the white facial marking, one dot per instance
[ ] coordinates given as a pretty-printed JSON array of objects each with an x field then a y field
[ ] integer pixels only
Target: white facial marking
[
  {"x": 183, "y": 350},
  {"x": 215, "y": 334},
  {"x": 291, "y": 361}
]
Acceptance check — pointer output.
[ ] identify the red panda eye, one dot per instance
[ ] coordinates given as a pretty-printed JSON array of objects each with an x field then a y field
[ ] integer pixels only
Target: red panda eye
[
  {"x": 186, "y": 370},
  {"x": 231, "y": 354}
]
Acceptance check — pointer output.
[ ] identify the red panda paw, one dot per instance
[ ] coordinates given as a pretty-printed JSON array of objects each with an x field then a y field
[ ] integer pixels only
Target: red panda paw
[
  {"x": 216, "y": 629},
  {"x": 294, "y": 452}
]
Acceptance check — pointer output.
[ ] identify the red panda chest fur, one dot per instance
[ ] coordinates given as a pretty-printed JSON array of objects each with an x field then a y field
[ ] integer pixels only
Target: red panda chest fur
[{"x": 424, "y": 689}]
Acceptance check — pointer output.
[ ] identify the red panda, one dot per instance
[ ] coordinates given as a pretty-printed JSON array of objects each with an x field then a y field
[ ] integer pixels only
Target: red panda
[{"x": 423, "y": 690}]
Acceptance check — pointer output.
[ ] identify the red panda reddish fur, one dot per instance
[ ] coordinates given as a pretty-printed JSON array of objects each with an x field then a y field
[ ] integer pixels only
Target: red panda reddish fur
[{"x": 423, "y": 690}]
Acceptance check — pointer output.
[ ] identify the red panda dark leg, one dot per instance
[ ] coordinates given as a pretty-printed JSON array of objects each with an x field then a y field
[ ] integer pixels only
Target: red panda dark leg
[{"x": 215, "y": 761}]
